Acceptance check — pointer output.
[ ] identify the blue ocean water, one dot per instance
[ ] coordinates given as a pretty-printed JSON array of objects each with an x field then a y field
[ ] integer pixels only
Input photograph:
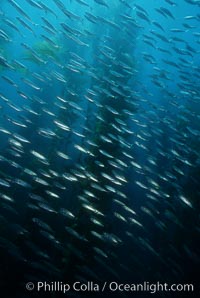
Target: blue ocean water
[{"x": 99, "y": 151}]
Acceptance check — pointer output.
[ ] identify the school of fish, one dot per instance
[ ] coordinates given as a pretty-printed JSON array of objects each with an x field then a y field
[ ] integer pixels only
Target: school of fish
[{"x": 100, "y": 138}]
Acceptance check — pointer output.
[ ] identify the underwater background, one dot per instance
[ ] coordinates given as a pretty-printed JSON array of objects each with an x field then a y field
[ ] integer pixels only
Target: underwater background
[{"x": 99, "y": 144}]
